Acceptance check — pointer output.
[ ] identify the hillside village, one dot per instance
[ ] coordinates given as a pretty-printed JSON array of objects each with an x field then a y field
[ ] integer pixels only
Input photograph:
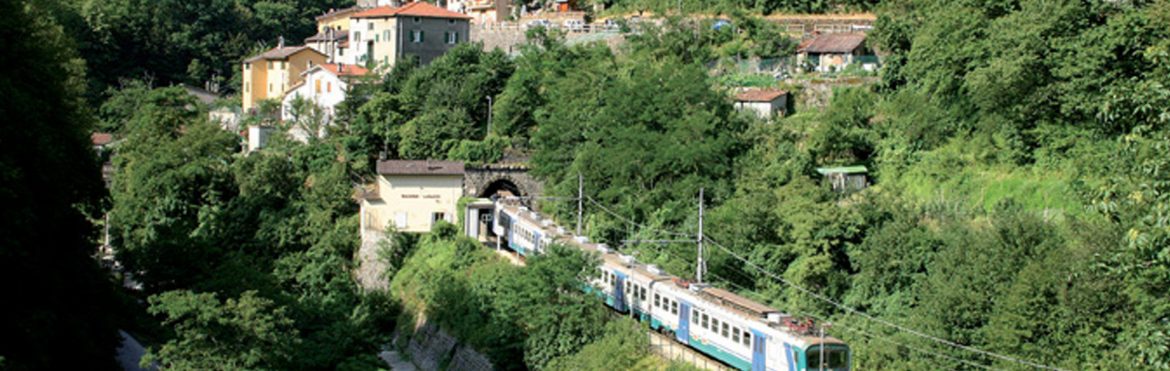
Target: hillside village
[
  {"x": 321, "y": 69},
  {"x": 585, "y": 185}
]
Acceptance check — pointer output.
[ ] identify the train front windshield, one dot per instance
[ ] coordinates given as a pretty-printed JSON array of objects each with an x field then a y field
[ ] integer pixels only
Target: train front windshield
[{"x": 836, "y": 358}]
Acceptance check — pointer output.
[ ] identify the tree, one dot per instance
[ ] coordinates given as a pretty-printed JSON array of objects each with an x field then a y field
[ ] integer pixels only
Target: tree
[
  {"x": 249, "y": 332},
  {"x": 56, "y": 295}
]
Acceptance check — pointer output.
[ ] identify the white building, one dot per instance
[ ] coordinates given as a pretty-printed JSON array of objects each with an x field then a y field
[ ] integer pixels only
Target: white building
[
  {"x": 324, "y": 85},
  {"x": 411, "y": 196},
  {"x": 763, "y": 102}
]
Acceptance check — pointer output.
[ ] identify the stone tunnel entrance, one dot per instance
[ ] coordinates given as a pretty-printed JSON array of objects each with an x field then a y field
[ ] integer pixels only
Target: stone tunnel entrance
[
  {"x": 489, "y": 180},
  {"x": 500, "y": 187}
]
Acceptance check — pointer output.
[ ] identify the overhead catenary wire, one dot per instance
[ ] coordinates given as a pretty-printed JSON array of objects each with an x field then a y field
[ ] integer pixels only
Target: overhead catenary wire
[
  {"x": 743, "y": 290},
  {"x": 632, "y": 222},
  {"x": 883, "y": 339},
  {"x": 851, "y": 310}
]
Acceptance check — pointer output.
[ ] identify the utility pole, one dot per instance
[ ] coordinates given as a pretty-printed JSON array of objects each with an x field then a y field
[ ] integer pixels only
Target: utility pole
[
  {"x": 701, "y": 265},
  {"x": 489, "y": 123},
  {"x": 822, "y": 365},
  {"x": 580, "y": 200}
]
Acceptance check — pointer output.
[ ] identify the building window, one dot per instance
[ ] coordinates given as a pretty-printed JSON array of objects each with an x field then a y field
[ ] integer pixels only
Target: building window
[
  {"x": 416, "y": 36},
  {"x": 386, "y": 35},
  {"x": 270, "y": 65},
  {"x": 357, "y": 36},
  {"x": 370, "y": 26},
  {"x": 282, "y": 65},
  {"x": 400, "y": 219},
  {"x": 450, "y": 21},
  {"x": 452, "y": 37},
  {"x": 245, "y": 88},
  {"x": 247, "y": 66},
  {"x": 317, "y": 85},
  {"x": 329, "y": 86},
  {"x": 417, "y": 19},
  {"x": 435, "y": 217},
  {"x": 269, "y": 87}
]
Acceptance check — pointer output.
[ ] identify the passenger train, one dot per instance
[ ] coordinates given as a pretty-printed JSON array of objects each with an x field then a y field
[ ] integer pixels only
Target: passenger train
[{"x": 725, "y": 326}]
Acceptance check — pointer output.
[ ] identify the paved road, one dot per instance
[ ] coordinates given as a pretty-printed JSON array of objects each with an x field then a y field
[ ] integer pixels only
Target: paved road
[{"x": 130, "y": 353}]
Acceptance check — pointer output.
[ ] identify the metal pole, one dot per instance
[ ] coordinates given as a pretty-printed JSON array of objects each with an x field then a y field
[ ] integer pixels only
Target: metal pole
[
  {"x": 822, "y": 366},
  {"x": 580, "y": 200},
  {"x": 495, "y": 212},
  {"x": 701, "y": 265}
]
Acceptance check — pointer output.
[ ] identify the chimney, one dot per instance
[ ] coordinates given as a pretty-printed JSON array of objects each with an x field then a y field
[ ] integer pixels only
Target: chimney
[{"x": 280, "y": 42}]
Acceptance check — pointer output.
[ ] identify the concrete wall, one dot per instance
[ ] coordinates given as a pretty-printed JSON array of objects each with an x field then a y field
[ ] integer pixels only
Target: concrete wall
[
  {"x": 433, "y": 31},
  {"x": 382, "y": 31},
  {"x": 415, "y": 198}
]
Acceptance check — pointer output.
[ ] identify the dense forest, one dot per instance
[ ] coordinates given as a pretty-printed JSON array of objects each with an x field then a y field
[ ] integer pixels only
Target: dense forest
[{"x": 1018, "y": 154}]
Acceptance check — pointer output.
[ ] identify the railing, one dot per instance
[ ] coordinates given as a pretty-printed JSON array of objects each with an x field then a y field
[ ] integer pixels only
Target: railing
[{"x": 512, "y": 26}]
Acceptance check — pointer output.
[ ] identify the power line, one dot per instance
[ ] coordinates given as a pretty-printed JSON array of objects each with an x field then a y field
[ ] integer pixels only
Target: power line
[
  {"x": 742, "y": 289},
  {"x": 631, "y": 222},
  {"x": 879, "y": 320},
  {"x": 888, "y": 341}
]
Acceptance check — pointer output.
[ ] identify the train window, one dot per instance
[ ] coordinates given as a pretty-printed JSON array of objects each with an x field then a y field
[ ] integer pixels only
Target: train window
[
  {"x": 673, "y": 307},
  {"x": 747, "y": 339},
  {"x": 715, "y": 325},
  {"x": 704, "y": 320},
  {"x": 642, "y": 292},
  {"x": 656, "y": 298},
  {"x": 723, "y": 329},
  {"x": 735, "y": 335},
  {"x": 694, "y": 316}
]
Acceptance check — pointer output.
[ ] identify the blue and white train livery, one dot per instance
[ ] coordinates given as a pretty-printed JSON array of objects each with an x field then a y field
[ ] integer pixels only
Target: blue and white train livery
[{"x": 735, "y": 330}]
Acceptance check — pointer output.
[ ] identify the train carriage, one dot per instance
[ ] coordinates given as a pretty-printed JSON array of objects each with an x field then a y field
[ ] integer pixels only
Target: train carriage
[{"x": 725, "y": 326}]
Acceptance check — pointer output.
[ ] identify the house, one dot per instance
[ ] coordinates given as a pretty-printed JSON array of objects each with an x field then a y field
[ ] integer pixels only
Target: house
[
  {"x": 324, "y": 85},
  {"x": 410, "y": 196},
  {"x": 384, "y": 35},
  {"x": 333, "y": 33},
  {"x": 269, "y": 74},
  {"x": 846, "y": 179},
  {"x": 831, "y": 52},
  {"x": 482, "y": 11},
  {"x": 763, "y": 102}
]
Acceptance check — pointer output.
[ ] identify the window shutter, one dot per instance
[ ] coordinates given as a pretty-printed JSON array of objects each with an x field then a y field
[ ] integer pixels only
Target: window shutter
[{"x": 420, "y": 36}]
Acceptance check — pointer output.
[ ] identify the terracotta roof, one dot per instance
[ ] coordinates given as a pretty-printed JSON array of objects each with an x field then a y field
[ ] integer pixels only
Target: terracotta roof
[
  {"x": 419, "y": 167},
  {"x": 834, "y": 43},
  {"x": 345, "y": 69},
  {"x": 101, "y": 139},
  {"x": 415, "y": 9},
  {"x": 339, "y": 12},
  {"x": 760, "y": 95},
  {"x": 280, "y": 53}
]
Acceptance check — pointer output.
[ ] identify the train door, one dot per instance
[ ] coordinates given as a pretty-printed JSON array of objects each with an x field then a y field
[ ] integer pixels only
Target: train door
[
  {"x": 619, "y": 295},
  {"x": 684, "y": 323},
  {"x": 759, "y": 353}
]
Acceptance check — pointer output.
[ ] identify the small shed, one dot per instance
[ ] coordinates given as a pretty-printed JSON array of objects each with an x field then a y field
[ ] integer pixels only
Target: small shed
[
  {"x": 764, "y": 102},
  {"x": 846, "y": 179},
  {"x": 831, "y": 52}
]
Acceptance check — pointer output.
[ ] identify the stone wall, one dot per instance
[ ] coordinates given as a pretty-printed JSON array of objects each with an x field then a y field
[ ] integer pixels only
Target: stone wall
[{"x": 431, "y": 348}]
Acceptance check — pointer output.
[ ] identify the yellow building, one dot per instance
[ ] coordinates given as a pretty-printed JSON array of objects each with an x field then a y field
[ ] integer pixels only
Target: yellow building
[
  {"x": 336, "y": 19},
  {"x": 411, "y": 196},
  {"x": 269, "y": 74}
]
